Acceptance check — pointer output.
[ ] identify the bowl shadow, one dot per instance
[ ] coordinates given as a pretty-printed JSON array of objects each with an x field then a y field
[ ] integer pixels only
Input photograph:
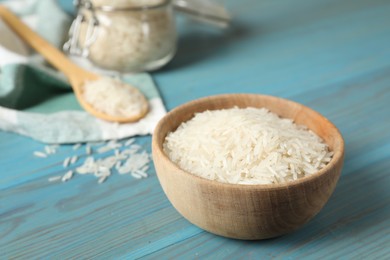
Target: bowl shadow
[{"x": 353, "y": 209}]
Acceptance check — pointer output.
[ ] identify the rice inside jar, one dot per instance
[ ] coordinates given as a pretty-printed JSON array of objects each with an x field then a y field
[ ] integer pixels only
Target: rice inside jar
[{"x": 127, "y": 35}]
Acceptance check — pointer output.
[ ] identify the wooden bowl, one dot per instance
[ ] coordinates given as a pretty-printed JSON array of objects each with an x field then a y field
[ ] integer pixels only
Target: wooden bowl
[{"x": 248, "y": 211}]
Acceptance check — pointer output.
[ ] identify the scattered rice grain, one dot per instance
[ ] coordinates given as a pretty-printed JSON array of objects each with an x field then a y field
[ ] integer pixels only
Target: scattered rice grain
[
  {"x": 141, "y": 173},
  {"x": 66, "y": 162},
  {"x": 48, "y": 149},
  {"x": 117, "y": 165},
  {"x": 76, "y": 146},
  {"x": 135, "y": 175},
  {"x": 131, "y": 161},
  {"x": 73, "y": 159},
  {"x": 67, "y": 176},
  {"x": 88, "y": 149},
  {"x": 102, "y": 179},
  {"x": 54, "y": 178},
  {"x": 129, "y": 142},
  {"x": 104, "y": 149},
  {"x": 40, "y": 154}
]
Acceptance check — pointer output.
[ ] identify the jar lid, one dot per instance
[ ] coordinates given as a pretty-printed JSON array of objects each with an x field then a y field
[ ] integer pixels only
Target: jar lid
[{"x": 204, "y": 11}]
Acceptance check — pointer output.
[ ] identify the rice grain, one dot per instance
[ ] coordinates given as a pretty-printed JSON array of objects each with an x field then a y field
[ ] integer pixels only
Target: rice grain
[
  {"x": 40, "y": 154},
  {"x": 246, "y": 146}
]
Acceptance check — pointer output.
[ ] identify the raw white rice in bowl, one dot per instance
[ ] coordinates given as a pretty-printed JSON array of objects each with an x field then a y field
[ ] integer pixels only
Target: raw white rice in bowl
[{"x": 246, "y": 146}]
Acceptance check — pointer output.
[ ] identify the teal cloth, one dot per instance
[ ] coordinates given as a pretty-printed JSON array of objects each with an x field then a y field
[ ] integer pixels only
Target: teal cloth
[{"x": 37, "y": 101}]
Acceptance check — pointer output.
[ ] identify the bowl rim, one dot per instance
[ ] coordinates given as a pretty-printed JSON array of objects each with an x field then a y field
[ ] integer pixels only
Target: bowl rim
[{"x": 336, "y": 159}]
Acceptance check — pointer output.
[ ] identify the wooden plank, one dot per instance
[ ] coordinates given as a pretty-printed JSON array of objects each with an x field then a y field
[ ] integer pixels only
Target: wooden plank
[
  {"x": 333, "y": 56},
  {"x": 280, "y": 49}
]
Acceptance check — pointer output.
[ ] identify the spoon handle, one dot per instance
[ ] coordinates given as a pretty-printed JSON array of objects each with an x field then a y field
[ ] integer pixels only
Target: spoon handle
[{"x": 52, "y": 54}]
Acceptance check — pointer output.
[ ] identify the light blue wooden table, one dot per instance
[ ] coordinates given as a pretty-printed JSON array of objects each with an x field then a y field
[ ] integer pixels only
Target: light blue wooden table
[{"x": 333, "y": 56}]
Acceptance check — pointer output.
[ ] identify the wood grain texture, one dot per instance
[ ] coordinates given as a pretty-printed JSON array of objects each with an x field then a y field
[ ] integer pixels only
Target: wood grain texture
[
  {"x": 247, "y": 211},
  {"x": 330, "y": 55}
]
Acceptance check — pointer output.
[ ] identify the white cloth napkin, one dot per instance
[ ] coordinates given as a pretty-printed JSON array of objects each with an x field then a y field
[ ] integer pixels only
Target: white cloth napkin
[{"x": 37, "y": 101}]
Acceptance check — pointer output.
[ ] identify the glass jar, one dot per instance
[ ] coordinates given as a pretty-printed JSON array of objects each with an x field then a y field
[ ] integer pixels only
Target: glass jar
[{"x": 124, "y": 35}]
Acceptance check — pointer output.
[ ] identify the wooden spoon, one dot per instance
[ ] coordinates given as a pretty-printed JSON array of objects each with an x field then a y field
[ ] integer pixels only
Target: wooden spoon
[{"x": 76, "y": 75}]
